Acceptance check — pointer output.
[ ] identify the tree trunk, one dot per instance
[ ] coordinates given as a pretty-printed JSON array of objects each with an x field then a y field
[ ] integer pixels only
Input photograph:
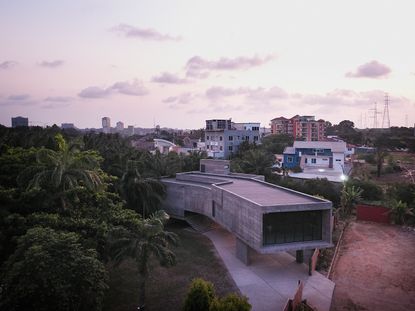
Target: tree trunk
[{"x": 142, "y": 270}]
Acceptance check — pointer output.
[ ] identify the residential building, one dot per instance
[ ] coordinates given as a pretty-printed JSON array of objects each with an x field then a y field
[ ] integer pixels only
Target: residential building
[
  {"x": 305, "y": 127},
  {"x": 20, "y": 121},
  {"x": 319, "y": 154},
  {"x": 223, "y": 137},
  {"x": 265, "y": 218},
  {"x": 106, "y": 125}
]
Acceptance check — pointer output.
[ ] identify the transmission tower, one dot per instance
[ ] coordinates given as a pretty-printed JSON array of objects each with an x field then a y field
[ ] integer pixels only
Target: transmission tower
[
  {"x": 386, "y": 113},
  {"x": 375, "y": 115}
]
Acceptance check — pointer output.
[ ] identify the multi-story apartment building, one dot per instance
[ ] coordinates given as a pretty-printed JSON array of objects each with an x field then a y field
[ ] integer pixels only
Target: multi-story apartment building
[
  {"x": 106, "y": 125},
  {"x": 20, "y": 121},
  {"x": 223, "y": 137},
  {"x": 305, "y": 127}
]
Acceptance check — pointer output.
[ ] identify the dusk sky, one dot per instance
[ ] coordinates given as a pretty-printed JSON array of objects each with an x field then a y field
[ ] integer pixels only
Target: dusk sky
[{"x": 178, "y": 63}]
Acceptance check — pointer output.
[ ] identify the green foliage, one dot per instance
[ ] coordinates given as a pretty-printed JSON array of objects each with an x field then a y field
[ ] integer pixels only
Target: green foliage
[
  {"x": 143, "y": 195},
  {"x": 192, "y": 160},
  {"x": 200, "y": 296},
  {"x": 231, "y": 302},
  {"x": 404, "y": 192},
  {"x": 400, "y": 212},
  {"x": 52, "y": 271},
  {"x": 276, "y": 144},
  {"x": 144, "y": 240},
  {"x": 254, "y": 162},
  {"x": 370, "y": 190},
  {"x": 350, "y": 195}
]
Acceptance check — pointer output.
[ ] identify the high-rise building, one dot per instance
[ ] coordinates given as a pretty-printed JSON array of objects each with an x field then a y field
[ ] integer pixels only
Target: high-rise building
[
  {"x": 305, "y": 127},
  {"x": 223, "y": 137},
  {"x": 20, "y": 121},
  {"x": 120, "y": 126},
  {"x": 106, "y": 124}
]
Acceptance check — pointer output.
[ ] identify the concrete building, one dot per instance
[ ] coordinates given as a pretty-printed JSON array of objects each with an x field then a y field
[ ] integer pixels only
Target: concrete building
[
  {"x": 67, "y": 126},
  {"x": 106, "y": 125},
  {"x": 119, "y": 127},
  {"x": 20, "y": 121},
  {"x": 223, "y": 137},
  {"x": 305, "y": 127},
  {"x": 264, "y": 218},
  {"x": 322, "y": 154}
]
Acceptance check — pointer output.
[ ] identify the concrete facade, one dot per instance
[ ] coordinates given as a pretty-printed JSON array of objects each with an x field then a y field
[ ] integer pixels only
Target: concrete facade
[
  {"x": 239, "y": 203},
  {"x": 223, "y": 137}
]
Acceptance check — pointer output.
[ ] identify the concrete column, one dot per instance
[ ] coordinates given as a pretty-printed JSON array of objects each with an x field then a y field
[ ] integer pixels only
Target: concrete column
[
  {"x": 243, "y": 251},
  {"x": 299, "y": 256}
]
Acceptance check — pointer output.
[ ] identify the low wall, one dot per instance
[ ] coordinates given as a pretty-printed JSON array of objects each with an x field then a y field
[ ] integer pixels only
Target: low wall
[{"x": 373, "y": 213}]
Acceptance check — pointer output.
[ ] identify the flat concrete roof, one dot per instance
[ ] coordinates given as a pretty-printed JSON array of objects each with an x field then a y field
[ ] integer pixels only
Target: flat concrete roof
[
  {"x": 264, "y": 194},
  {"x": 256, "y": 191}
]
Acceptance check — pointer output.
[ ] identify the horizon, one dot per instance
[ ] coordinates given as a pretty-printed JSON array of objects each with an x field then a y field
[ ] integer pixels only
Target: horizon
[{"x": 180, "y": 63}]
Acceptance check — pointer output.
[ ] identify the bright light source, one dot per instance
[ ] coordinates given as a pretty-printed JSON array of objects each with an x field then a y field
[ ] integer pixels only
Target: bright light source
[
  {"x": 343, "y": 177},
  {"x": 321, "y": 169}
]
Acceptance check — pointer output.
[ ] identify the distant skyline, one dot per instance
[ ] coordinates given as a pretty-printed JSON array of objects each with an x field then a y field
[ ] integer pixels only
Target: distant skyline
[{"x": 178, "y": 63}]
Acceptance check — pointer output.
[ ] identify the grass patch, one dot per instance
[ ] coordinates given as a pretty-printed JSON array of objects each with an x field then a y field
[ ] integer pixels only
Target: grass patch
[{"x": 167, "y": 287}]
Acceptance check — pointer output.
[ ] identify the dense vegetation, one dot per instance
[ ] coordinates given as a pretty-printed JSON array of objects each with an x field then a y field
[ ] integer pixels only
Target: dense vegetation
[{"x": 71, "y": 206}]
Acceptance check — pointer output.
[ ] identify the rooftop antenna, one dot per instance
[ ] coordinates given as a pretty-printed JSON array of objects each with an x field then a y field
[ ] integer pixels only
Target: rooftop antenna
[
  {"x": 375, "y": 115},
  {"x": 386, "y": 113}
]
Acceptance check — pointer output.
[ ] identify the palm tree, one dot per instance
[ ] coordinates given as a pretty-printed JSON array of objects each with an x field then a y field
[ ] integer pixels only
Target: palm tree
[
  {"x": 143, "y": 195},
  {"x": 145, "y": 241},
  {"x": 63, "y": 171},
  {"x": 350, "y": 195}
]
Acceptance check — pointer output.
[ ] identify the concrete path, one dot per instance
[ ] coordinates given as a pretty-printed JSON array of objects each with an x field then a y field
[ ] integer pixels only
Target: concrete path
[{"x": 271, "y": 280}]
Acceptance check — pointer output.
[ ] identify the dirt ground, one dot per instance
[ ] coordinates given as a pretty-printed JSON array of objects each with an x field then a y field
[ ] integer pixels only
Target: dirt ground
[{"x": 375, "y": 269}]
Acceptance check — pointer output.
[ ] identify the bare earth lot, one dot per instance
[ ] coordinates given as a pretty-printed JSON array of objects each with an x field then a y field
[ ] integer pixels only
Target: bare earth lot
[{"x": 375, "y": 269}]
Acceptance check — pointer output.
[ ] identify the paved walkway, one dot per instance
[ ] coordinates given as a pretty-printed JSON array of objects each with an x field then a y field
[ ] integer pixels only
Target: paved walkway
[{"x": 271, "y": 280}]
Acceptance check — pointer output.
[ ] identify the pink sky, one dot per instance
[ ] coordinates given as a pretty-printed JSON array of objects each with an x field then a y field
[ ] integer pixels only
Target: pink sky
[{"x": 177, "y": 63}]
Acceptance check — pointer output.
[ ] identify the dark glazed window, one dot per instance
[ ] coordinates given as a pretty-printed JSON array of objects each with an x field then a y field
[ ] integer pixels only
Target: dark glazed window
[
  {"x": 213, "y": 209},
  {"x": 280, "y": 228}
]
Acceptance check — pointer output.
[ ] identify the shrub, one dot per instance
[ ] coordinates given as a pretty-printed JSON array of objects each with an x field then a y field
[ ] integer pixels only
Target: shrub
[
  {"x": 370, "y": 190},
  {"x": 231, "y": 302},
  {"x": 200, "y": 296},
  {"x": 297, "y": 169}
]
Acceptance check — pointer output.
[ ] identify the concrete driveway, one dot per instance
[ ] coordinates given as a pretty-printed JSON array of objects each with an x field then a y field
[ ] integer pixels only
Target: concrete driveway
[{"x": 271, "y": 280}]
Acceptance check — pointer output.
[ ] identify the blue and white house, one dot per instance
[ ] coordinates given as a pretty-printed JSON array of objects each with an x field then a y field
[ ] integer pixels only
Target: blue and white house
[{"x": 316, "y": 154}]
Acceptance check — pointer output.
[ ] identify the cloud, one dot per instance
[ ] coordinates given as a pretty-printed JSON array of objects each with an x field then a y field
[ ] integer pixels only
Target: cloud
[
  {"x": 142, "y": 33},
  {"x": 181, "y": 100},
  {"x": 8, "y": 64},
  {"x": 18, "y": 97},
  {"x": 168, "y": 78},
  {"x": 18, "y": 100},
  {"x": 197, "y": 67},
  {"x": 51, "y": 64},
  {"x": 373, "y": 69},
  {"x": 94, "y": 92},
  {"x": 135, "y": 88},
  {"x": 58, "y": 99},
  {"x": 259, "y": 94}
]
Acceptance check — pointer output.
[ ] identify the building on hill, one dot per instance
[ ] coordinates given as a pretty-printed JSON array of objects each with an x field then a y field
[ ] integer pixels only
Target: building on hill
[
  {"x": 223, "y": 137},
  {"x": 305, "y": 127},
  {"x": 20, "y": 121}
]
